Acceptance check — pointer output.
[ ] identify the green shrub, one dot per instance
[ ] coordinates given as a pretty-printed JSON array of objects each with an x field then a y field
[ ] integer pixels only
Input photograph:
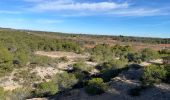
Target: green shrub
[
  {"x": 22, "y": 57},
  {"x": 153, "y": 74},
  {"x": 101, "y": 53},
  {"x": 121, "y": 51},
  {"x": 5, "y": 61},
  {"x": 47, "y": 88},
  {"x": 149, "y": 54},
  {"x": 134, "y": 57},
  {"x": 41, "y": 60},
  {"x": 167, "y": 68},
  {"x": 65, "y": 80},
  {"x": 112, "y": 65},
  {"x": 96, "y": 86},
  {"x": 111, "y": 69},
  {"x": 80, "y": 75},
  {"x": 81, "y": 66}
]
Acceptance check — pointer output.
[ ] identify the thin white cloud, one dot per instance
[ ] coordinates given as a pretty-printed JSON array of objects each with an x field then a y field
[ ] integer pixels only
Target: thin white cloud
[
  {"x": 85, "y": 8},
  {"x": 137, "y": 12},
  {"x": 100, "y": 6}
]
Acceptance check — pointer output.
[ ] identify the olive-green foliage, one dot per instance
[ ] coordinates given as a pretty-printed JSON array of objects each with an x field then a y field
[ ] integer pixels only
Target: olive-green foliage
[
  {"x": 5, "y": 60},
  {"x": 111, "y": 69},
  {"x": 65, "y": 80},
  {"x": 141, "y": 39},
  {"x": 17, "y": 47},
  {"x": 145, "y": 55},
  {"x": 2, "y": 93},
  {"x": 80, "y": 76},
  {"x": 42, "y": 60},
  {"x": 101, "y": 53},
  {"x": 31, "y": 41},
  {"x": 47, "y": 88},
  {"x": 22, "y": 57},
  {"x": 96, "y": 86},
  {"x": 81, "y": 66},
  {"x": 134, "y": 57},
  {"x": 104, "y": 52},
  {"x": 167, "y": 68},
  {"x": 121, "y": 51},
  {"x": 112, "y": 65},
  {"x": 153, "y": 74},
  {"x": 149, "y": 54},
  {"x": 164, "y": 51}
]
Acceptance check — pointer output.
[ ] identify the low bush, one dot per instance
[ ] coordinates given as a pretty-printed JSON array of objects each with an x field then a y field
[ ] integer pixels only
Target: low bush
[
  {"x": 96, "y": 86},
  {"x": 41, "y": 60},
  {"x": 46, "y": 89},
  {"x": 81, "y": 66},
  {"x": 153, "y": 74},
  {"x": 111, "y": 69},
  {"x": 65, "y": 80},
  {"x": 167, "y": 68}
]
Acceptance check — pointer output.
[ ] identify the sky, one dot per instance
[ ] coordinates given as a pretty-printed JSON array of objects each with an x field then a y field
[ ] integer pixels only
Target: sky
[{"x": 144, "y": 18}]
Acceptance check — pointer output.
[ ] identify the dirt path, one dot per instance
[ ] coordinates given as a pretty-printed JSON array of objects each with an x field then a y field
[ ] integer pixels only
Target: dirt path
[
  {"x": 59, "y": 54},
  {"x": 156, "y": 61}
]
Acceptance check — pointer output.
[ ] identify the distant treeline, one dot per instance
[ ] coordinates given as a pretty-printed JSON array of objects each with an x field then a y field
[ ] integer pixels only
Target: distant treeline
[
  {"x": 118, "y": 38},
  {"x": 142, "y": 39}
]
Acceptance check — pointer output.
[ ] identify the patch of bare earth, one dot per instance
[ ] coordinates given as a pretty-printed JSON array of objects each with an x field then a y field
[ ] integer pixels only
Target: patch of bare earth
[
  {"x": 8, "y": 83},
  {"x": 45, "y": 73},
  {"x": 59, "y": 54}
]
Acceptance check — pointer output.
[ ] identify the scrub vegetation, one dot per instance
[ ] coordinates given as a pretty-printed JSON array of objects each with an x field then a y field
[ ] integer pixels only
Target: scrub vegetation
[{"x": 103, "y": 62}]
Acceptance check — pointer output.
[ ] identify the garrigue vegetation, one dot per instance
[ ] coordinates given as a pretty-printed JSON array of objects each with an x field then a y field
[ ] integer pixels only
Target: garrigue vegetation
[
  {"x": 17, "y": 51},
  {"x": 17, "y": 47}
]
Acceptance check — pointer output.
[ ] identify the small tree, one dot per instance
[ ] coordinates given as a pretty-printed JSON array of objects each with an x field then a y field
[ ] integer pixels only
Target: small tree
[{"x": 96, "y": 86}]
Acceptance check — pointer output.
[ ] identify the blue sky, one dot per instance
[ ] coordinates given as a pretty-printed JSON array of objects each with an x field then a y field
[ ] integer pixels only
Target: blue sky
[{"x": 146, "y": 18}]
